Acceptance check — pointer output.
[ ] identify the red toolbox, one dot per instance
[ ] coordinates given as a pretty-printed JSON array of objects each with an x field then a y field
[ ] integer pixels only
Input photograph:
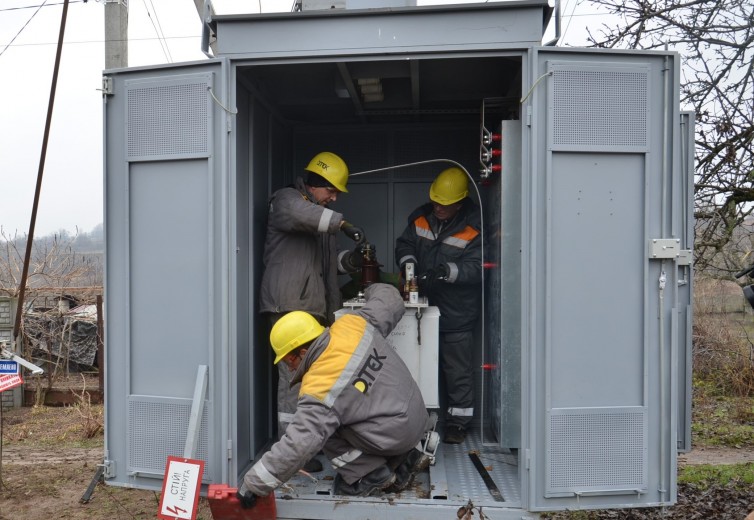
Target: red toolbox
[{"x": 225, "y": 506}]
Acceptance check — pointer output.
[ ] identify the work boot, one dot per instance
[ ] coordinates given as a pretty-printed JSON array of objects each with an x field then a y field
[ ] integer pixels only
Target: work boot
[
  {"x": 414, "y": 463},
  {"x": 454, "y": 435},
  {"x": 313, "y": 465},
  {"x": 370, "y": 484}
]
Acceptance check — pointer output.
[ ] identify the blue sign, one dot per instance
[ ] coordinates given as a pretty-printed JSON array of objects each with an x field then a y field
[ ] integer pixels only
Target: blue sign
[{"x": 8, "y": 367}]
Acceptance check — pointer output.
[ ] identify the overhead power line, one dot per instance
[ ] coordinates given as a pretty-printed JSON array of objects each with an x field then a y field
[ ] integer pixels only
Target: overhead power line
[
  {"x": 158, "y": 30},
  {"x": 22, "y": 28},
  {"x": 43, "y": 4}
]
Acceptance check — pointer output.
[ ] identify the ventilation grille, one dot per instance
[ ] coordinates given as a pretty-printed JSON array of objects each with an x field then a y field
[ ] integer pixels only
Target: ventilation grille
[
  {"x": 600, "y": 110},
  {"x": 597, "y": 451},
  {"x": 157, "y": 430},
  {"x": 168, "y": 120}
]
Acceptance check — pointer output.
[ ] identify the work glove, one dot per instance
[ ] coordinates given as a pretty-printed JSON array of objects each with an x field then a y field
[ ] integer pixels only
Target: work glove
[
  {"x": 431, "y": 276},
  {"x": 246, "y": 497},
  {"x": 355, "y": 233}
]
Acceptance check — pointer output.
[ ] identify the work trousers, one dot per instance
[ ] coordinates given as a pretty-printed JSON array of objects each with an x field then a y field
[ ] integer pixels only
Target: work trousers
[
  {"x": 456, "y": 356},
  {"x": 353, "y": 458}
]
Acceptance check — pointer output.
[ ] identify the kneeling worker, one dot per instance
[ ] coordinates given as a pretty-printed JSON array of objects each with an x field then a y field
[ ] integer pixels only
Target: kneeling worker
[{"x": 358, "y": 402}]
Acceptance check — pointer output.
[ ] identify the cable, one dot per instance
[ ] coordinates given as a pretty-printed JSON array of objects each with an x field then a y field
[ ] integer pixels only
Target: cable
[
  {"x": 231, "y": 112},
  {"x": 44, "y": 4},
  {"x": 159, "y": 37},
  {"x": 523, "y": 99},
  {"x": 570, "y": 18},
  {"x": 162, "y": 33},
  {"x": 22, "y": 28}
]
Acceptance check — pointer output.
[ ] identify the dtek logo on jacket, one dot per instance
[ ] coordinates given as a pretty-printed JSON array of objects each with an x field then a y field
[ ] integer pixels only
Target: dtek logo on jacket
[
  {"x": 368, "y": 372},
  {"x": 348, "y": 360}
]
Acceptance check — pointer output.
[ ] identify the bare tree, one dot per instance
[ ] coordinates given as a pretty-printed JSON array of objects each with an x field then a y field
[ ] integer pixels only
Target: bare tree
[
  {"x": 54, "y": 263},
  {"x": 716, "y": 40},
  {"x": 56, "y": 272}
]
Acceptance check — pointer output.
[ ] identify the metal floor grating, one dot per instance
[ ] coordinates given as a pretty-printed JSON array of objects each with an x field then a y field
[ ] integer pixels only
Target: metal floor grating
[{"x": 453, "y": 478}]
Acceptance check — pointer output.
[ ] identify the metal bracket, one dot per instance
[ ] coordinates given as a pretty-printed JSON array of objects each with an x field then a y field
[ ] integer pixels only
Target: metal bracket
[
  {"x": 107, "y": 86},
  {"x": 685, "y": 257},
  {"x": 664, "y": 248},
  {"x": 109, "y": 468},
  {"x": 7, "y": 354}
]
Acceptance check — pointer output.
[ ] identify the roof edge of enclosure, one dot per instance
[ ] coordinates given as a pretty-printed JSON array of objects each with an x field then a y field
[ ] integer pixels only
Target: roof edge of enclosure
[{"x": 382, "y": 31}]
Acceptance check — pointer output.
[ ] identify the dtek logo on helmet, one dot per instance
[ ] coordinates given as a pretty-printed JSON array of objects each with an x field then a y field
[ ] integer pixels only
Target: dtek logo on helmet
[
  {"x": 322, "y": 165},
  {"x": 369, "y": 369}
]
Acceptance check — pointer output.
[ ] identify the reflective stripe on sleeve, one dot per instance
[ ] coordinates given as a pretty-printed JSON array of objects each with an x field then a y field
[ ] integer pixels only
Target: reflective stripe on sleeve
[
  {"x": 284, "y": 417},
  {"x": 324, "y": 220},
  {"x": 407, "y": 258},
  {"x": 349, "y": 456},
  {"x": 425, "y": 233},
  {"x": 461, "y": 412},
  {"x": 452, "y": 272},
  {"x": 265, "y": 476}
]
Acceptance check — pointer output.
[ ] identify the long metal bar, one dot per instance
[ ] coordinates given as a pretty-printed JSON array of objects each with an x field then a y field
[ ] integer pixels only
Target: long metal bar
[
  {"x": 494, "y": 491},
  {"x": 197, "y": 409},
  {"x": 40, "y": 171}
]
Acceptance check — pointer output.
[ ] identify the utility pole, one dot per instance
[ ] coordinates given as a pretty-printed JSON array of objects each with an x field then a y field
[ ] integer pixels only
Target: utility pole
[{"x": 116, "y": 34}]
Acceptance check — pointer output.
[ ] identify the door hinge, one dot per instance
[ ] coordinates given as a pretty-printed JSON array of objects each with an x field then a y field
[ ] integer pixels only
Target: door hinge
[
  {"x": 527, "y": 458},
  {"x": 230, "y": 449}
]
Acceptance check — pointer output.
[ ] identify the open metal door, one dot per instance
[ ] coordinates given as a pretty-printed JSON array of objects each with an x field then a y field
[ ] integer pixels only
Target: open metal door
[
  {"x": 685, "y": 224},
  {"x": 600, "y": 322},
  {"x": 166, "y": 283}
]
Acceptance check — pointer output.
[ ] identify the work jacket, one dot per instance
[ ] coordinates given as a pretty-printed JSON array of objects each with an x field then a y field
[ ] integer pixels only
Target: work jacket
[
  {"x": 458, "y": 245},
  {"x": 300, "y": 255},
  {"x": 352, "y": 379}
]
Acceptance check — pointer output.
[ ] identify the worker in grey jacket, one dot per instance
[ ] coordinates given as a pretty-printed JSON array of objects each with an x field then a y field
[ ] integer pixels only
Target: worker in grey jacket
[
  {"x": 301, "y": 261},
  {"x": 443, "y": 241},
  {"x": 358, "y": 401}
]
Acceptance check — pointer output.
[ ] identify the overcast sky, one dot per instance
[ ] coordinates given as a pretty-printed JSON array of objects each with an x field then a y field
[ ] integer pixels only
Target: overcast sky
[{"x": 71, "y": 195}]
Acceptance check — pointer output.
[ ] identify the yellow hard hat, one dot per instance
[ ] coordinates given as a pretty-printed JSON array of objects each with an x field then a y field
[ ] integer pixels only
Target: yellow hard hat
[
  {"x": 449, "y": 187},
  {"x": 291, "y": 331},
  {"x": 332, "y": 168}
]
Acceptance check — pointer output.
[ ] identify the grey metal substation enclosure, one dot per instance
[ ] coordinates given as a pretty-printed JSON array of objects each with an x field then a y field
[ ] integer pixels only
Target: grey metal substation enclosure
[{"x": 583, "y": 167}]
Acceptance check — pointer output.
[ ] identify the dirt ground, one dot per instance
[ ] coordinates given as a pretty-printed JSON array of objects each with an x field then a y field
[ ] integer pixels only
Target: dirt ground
[{"x": 48, "y": 463}]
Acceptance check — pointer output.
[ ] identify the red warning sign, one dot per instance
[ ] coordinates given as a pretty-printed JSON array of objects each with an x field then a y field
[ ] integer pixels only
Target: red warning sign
[
  {"x": 8, "y": 381},
  {"x": 180, "y": 489}
]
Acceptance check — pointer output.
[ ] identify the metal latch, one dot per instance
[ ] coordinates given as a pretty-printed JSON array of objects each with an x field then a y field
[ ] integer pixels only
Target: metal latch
[
  {"x": 107, "y": 86},
  {"x": 664, "y": 248}
]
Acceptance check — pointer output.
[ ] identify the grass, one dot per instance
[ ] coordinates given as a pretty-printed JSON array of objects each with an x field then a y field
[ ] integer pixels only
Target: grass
[
  {"x": 43, "y": 426},
  {"x": 704, "y": 476},
  {"x": 719, "y": 419}
]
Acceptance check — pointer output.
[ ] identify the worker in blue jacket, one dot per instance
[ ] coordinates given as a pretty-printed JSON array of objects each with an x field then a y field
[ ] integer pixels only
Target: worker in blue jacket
[{"x": 443, "y": 240}]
